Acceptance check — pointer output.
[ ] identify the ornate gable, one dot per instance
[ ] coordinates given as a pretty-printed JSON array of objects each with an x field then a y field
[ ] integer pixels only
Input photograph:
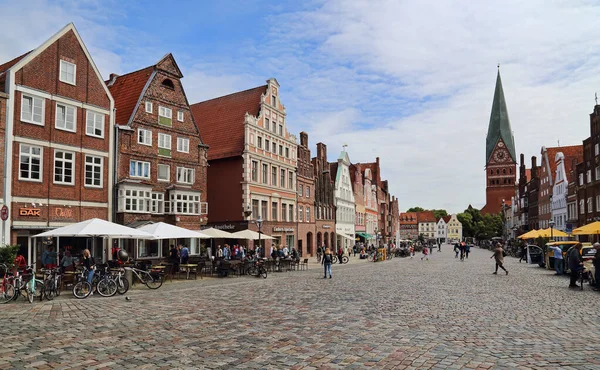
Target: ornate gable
[{"x": 169, "y": 65}]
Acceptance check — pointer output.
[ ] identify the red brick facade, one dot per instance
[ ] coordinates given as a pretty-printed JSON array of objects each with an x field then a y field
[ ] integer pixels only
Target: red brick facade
[
  {"x": 306, "y": 199},
  {"x": 3, "y": 101},
  {"x": 324, "y": 200}
]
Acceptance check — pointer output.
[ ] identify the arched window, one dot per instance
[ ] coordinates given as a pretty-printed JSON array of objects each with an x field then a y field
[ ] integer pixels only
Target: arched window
[
  {"x": 510, "y": 170},
  {"x": 504, "y": 171},
  {"x": 497, "y": 172},
  {"x": 491, "y": 172},
  {"x": 168, "y": 83}
]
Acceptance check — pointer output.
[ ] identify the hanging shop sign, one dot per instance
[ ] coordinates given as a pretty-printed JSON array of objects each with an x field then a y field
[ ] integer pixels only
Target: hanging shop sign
[
  {"x": 283, "y": 229},
  {"x": 32, "y": 212}
]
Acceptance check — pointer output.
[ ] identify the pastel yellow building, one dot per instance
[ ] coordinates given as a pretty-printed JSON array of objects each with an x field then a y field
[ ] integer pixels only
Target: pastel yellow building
[{"x": 454, "y": 228}]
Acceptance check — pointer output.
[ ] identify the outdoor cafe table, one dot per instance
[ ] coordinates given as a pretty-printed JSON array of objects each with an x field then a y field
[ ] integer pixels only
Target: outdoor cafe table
[{"x": 188, "y": 268}]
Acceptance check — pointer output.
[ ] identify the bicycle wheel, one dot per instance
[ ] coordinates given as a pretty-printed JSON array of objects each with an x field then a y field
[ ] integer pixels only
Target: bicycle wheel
[
  {"x": 263, "y": 273},
  {"x": 82, "y": 290},
  {"x": 252, "y": 270},
  {"x": 345, "y": 259},
  {"x": 106, "y": 287},
  {"x": 122, "y": 285},
  {"x": 57, "y": 286},
  {"x": 153, "y": 282},
  {"x": 48, "y": 291},
  {"x": 334, "y": 260},
  {"x": 38, "y": 289},
  {"x": 7, "y": 292}
]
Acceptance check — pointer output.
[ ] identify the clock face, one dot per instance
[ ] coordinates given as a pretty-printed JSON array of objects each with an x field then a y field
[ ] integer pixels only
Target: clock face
[{"x": 501, "y": 155}]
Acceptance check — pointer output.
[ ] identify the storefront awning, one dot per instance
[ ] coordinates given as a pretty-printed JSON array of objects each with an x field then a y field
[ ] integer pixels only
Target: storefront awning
[
  {"x": 346, "y": 236},
  {"x": 364, "y": 235}
]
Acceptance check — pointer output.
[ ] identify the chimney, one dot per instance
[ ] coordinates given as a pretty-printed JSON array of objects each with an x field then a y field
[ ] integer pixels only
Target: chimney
[
  {"x": 304, "y": 139},
  {"x": 522, "y": 159},
  {"x": 322, "y": 151},
  {"x": 112, "y": 78},
  {"x": 534, "y": 168}
]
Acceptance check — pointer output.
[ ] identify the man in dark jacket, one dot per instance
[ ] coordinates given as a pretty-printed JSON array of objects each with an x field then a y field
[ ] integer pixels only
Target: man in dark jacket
[
  {"x": 596, "y": 263},
  {"x": 575, "y": 264}
]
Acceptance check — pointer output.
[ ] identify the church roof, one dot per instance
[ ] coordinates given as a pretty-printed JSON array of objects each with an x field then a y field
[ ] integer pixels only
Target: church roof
[{"x": 499, "y": 127}]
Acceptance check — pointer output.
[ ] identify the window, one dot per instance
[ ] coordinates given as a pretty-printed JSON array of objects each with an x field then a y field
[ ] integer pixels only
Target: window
[
  {"x": 255, "y": 208},
  {"x": 273, "y": 101},
  {"x": 291, "y": 210},
  {"x": 65, "y": 117},
  {"x": 259, "y": 142},
  {"x": 168, "y": 83},
  {"x": 282, "y": 178},
  {"x": 281, "y": 130},
  {"x": 134, "y": 200},
  {"x": 274, "y": 176},
  {"x": 30, "y": 163},
  {"x": 589, "y": 205},
  {"x": 581, "y": 207},
  {"x": 267, "y": 123},
  {"x": 144, "y": 137},
  {"x": 184, "y": 203},
  {"x": 63, "y": 167},
  {"x": 274, "y": 148},
  {"x": 287, "y": 152},
  {"x": 596, "y": 149},
  {"x": 597, "y": 173},
  {"x": 597, "y": 202},
  {"x": 290, "y": 180},
  {"x": 157, "y": 205},
  {"x": 300, "y": 214},
  {"x": 263, "y": 209},
  {"x": 274, "y": 211},
  {"x": 67, "y": 72},
  {"x": 267, "y": 142},
  {"x": 265, "y": 174},
  {"x": 281, "y": 150},
  {"x": 580, "y": 179},
  {"x": 308, "y": 191},
  {"x": 94, "y": 125},
  {"x": 183, "y": 145},
  {"x": 254, "y": 171},
  {"x": 148, "y": 107},
  {"x": 589, "y": 176},
  {"x": 139, "y": 169},
  {"x": 283, "y": 212},
  {"x": 32, "y": 109},
  {"x": 164, "y": 172},
  {"x": 93, "y": 171},
  {"x": 307, "y": 214},
  {"x": 165, "y": 116},
  {"x": 180, "y": 116},
  {"x": 164, "y": 144},
  {"x": 274, "y": 126},
  {"x": 300, "y": 190},
  {"x": 185, "y": 175}
]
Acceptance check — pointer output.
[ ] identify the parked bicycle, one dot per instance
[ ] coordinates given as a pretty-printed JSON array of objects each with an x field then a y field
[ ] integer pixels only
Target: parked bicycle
[
  {"x": 335, "y": 258},
  {"x": 7, "y": 288},
  {"x": 51, "y": 284},
  {"x": 153, "y": 280},
  {"x": 27, "y": 285},
  {"x": 258, "y": 269}
]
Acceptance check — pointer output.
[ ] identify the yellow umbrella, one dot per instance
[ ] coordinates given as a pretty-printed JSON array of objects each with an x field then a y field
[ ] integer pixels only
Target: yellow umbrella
[
  {"x": 530, "y": 235},
  {"x": 547, "y": 233},
  {"x": 589, "y": 229}
]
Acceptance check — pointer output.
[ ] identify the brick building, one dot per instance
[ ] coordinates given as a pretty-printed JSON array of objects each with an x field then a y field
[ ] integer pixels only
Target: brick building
[
  {"x": 324, "y": 199},
  {"x": 161, "y": 160},
  {"x": 588, "y": 174},
  {"x": 394, "y": 220},
  {"x": 3, "y": 102},
  {"x": 252, "y": 163},
  {"x": 532, "y": 194},
  {"x": 409, "y": 226},
  {"x": 384, "y": 230},
  {"x": 356, "y": 177},
  {"x": 521, "y": 213},
  {"x": 58, "y": 142},
  {"x": 306, "y": 199}
]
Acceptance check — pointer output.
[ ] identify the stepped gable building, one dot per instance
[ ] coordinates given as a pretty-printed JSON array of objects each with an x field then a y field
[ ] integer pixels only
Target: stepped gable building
[
  {"x": 324, "y": 199},
  {"x": 588, "y": 173},
  {"x": 532, "y": 193},
  {"x": 500, "y": 157},
  {"x": 161, "y": 160},
  {"x": 58, "y": 143},
  {"x": 344, "y": 202},
  {"x": 252, "y": 163},
  {"x": 521, "y": 216},
  {"x": 408, "y": 226},
  {"x": 306, "y": 199},
  {"x": 356, "y": 177}
]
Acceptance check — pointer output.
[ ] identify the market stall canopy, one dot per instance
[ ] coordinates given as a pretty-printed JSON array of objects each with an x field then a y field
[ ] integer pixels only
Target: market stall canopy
[
  {"x": 589, "y": 229},
  {"x": 547, "y": 233},
  {"x": 529, "y": 235},
  {"x": 249, "y": 235},
  {"x": 96, "y": 227},
  {"x": 217, "y": 233},
  {"x": 364, "y": 235},
  {"x": 161, "y": 230}
]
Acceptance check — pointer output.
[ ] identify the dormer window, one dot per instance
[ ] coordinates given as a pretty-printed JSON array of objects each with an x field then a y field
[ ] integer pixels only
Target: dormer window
[
  {"x": 67, "y": 72},
  {"x": 168, "y": 84}
]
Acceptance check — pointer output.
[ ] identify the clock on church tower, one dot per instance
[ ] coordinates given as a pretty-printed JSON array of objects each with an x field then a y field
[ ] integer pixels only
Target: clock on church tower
[{"x": 500, "y": 158}]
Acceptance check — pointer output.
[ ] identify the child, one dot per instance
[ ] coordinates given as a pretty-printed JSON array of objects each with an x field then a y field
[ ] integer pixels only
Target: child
[
  {"x": 412, "y": 251},
  {"x": 425, "y": 254}
]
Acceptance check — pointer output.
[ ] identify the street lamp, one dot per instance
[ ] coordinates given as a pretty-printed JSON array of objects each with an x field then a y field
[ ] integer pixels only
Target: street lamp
[
  {"x": 259, "y": 222},
  {"x": 551, "y": 223}
]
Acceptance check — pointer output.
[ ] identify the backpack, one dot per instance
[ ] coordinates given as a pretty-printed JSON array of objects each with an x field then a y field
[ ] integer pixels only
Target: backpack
[{"x": 327, "y": 258}]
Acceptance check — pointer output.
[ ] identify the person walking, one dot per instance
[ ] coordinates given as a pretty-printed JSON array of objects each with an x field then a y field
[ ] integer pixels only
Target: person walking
[
  {"x": 596, "y": 263},
  {"x": 425, "y": 254},
  {"x": 499, "y": 257},
  {"x": 439, "y": 245},
  {"x": 49, "y": 258},
  {"x": 185, "y": 255},
  {"x": 558, "y": 259},
  {"x": 326, "y": 262},
  {"x": 456, "y": 250},
  {"x": 467, "y": 250},
  {"x": 412, "y": 251},
  {"x": 340, "y": 253},
  {"x": 523, "y": 254},
  {"x": 575, "y": 264},
  {"x": 462, "y": 251},
  {"x": 319, "y": 253}
]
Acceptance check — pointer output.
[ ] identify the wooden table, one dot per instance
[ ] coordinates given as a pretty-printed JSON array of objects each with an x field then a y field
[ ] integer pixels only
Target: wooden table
[
  {"x": 187, "y": 268},
  {"x": 158, "y": 267}
]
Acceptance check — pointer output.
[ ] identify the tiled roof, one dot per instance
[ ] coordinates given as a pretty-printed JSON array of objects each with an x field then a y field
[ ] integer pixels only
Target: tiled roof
[
  {"x": 126, "y": 91},
  {"x": 221, "y": 121},
  {"x": 447, "y": 218},
  {"x": 408, "y": 218},
  {"x": 4, "y": 67},
  {"x": 425, "y": 216},
  {"x": 573, "y": 155}
]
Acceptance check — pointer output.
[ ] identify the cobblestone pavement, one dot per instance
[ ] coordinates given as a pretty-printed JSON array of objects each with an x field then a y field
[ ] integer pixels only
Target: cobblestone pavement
[{"x": 398, "y": 314}]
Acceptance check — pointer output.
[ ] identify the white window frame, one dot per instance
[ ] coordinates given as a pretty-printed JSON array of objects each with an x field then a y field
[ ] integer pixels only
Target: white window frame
[
  {"x": 180, "y": 116},
  {"x": 40, "y": 101},
  {"x": 64, "y": 63},
  {"x": 168, "y": 173},
  {"x": 95, "y": 116},
  {"x": 137, "y": 164},
  {"x": 157, "y": 203},
  {"x": 184, "y": 203},
  {"x": 31, "y": 156},
  {"x": 165, "y": 112},
  {"x": 185, "y": 175},
  {"x": 148, "y": 107},
  {"x": 65, "y": 161},
  {"x": 147, "y": 136},
  {"x": 66, "y": 107},
  {"x": 581, "y": 207},
  {"x": 94, "y": 166},
  {"x": 142, "y": 199},
  {"x": 596, "y": 149},
  {"x": 165, "y": 138},
  {"x": 183, "y": 145}
]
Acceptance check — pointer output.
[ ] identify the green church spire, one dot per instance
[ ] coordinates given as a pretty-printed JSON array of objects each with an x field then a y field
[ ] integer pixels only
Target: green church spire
[{"x": 499, "y": 127}]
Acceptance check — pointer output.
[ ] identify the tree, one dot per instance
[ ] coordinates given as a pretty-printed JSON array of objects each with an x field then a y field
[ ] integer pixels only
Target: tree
[
  {"x": 415, "y": 209},
  {"x": 467, "y": 223},
  {"x": 439, "y": 213}
]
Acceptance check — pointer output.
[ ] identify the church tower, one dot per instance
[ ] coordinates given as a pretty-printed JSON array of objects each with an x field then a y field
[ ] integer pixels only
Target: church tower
[{"x": 500, "y": 155}]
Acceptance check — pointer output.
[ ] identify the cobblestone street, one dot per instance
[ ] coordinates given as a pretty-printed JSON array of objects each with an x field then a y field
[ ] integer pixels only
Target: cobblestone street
[{"x": 399, "y": 314}]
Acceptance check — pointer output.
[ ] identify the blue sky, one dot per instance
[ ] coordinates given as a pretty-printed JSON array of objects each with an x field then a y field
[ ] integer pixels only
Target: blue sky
[{"x": 409, "y": 81}]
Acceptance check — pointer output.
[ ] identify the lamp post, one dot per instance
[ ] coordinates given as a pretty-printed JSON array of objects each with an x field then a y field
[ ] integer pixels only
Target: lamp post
[
  {"x": 259, "y": 222},
  {"x": 503, "y": 220},
  {"x": 551, "y": 223}
]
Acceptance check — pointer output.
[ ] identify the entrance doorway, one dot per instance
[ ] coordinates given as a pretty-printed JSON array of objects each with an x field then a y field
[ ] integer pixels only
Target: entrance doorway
[{"x": 309, "y": 244}]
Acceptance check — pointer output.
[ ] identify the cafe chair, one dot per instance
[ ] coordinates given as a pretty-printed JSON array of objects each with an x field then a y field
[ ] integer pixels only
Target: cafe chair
[{"x": 303, "y": 265}]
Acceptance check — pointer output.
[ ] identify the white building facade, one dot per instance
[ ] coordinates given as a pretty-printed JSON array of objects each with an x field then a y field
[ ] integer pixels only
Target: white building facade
[
  {"x": 559, "y": 194},
  {"x": 441, "y": 230},
  {"x": 344, "y": 203}
]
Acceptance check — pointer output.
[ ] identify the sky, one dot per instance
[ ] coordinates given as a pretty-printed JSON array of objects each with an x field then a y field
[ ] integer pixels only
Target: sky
[{"x": 408, "y": 81}]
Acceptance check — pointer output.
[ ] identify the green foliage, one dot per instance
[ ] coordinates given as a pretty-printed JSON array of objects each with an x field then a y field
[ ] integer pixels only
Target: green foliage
[
  {"x": 421, "y": 238},
  {"x": 480, "y": 226},
  {"x": 415, "y": 209},
  {"x": 8, "y": 254},
  {"x": 439, "y": 213}
]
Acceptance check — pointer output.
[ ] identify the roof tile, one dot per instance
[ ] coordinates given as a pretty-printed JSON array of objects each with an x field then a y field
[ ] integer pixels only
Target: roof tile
[{"x": 126, "y": 91}]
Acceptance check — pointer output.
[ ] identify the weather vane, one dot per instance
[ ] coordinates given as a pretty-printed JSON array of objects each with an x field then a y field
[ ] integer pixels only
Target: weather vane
[
  {"x": 596, "y": 98},
  {"x": 344, "y": 146}
]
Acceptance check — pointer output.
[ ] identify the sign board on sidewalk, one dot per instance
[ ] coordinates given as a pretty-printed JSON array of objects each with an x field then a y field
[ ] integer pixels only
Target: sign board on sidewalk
[{"x": 4, "y": 213}]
